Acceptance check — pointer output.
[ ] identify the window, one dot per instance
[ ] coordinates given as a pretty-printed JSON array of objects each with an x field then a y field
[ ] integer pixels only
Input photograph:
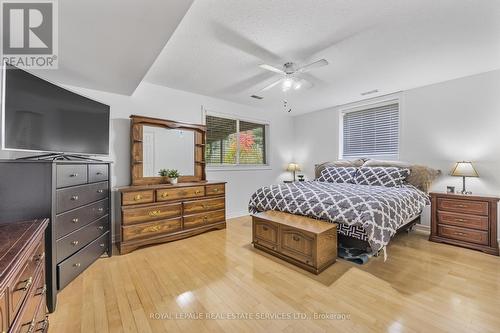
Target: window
[
  {"x": 235, "y": 142},
  {"x": 371, "y": 132}
]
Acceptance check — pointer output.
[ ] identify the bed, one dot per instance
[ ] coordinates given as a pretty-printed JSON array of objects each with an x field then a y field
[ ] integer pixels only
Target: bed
[{"x": 367, "y": 213}]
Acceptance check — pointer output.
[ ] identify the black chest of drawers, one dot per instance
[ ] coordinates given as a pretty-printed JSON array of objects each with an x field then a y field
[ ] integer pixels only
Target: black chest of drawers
[{"x": 76, "y": 198}]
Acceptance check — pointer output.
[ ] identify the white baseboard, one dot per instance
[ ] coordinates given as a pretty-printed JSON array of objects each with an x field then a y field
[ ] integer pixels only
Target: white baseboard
[
  {"x": 423, "y": 228},
  {"x": 232, "y": 215}
]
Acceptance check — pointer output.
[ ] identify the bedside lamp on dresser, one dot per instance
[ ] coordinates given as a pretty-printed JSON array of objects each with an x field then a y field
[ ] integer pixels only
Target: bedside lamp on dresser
[{"x": 464, "y": 169}]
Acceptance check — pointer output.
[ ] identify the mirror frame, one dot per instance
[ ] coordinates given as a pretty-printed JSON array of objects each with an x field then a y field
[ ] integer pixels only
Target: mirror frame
[{"x": 136, "y": 154}]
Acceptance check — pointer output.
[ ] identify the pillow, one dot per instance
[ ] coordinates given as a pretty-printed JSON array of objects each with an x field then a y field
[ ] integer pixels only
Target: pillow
[
  {"x": 381, "y": 176},
  {"x": 333, "y": 174},
  {"x": 420, "y": 176},
  {"x": 340, "y": 163}
]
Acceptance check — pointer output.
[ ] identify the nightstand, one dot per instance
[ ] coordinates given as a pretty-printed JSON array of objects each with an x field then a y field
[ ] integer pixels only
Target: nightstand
[{"x": 465, "y": 220}]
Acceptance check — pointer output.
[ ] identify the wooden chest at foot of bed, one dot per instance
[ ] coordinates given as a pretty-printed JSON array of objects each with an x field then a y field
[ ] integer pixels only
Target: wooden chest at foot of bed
[
  {"x": 302, "y": 241},
  {"x": 160, "y": 213}
]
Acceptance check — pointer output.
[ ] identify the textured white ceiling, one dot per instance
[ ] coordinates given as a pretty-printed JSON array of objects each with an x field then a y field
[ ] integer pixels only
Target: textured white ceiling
[
  {"x": 110, "y": 44},
  {"x": 389, "y": 45}
]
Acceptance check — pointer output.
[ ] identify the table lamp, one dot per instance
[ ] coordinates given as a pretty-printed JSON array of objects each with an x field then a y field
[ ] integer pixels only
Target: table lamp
[
  {"x": 464, "y": 169},
  {"x": 293, "y": 167}
]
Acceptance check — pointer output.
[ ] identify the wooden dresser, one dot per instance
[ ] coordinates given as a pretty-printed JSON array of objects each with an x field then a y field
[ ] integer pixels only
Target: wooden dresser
[
  {"x": 160, "y": 213},
  {"x": 303, "y": 241},
  {"x": 465, "y": 220},
  {"x": 75, "y": 195},
  {"x": 22, "y": 277}
]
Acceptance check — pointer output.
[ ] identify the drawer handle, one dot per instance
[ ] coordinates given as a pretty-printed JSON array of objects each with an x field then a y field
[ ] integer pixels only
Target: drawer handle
[
  {"x": 74, "y": 243},
  {"x": 461, "y": 205},
  {"x": 206, "y": 206},
  {"x": 28, "y": 283},
  {"x": 197, "y": 192},
  {"x": 101, "y": 227},
  {"x": 75, "y": 220},
  {"x": 101, "y": 245},
  {"x": 77, "y": 265},
  {"x": 43, "y": 291},
  {"x": 74, "y": 198},
  {"x": 98, "y": 173},
  {"x": 100, "y": 210},
  {"x": 31, "y": 329},
  {"x": 153, "y": 228},
  {"x": 73, "y": 175},
  {"x": 154, "y": 213},
  {"x": 45, "y": 323},
  {"x": 460, "y": 220},
  {"x": 265, "y": 228},
  {"x": 459, "y": 233},
  {"x": 296, "y": 238},
  {"x": 164, "y": 195},
  {"x": 216, "y": 190},
  {"x": 40, "y": 256},
  {"x": 100, "y": 191},
  {"x": 138, "y": 197}
]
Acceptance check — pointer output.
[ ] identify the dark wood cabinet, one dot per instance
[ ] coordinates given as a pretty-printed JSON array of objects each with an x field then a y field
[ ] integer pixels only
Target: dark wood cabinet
[
  {"x": 465, "y": 220},
  {"x": 75, "y": 196},
  {"x": 22, "y": 277}
]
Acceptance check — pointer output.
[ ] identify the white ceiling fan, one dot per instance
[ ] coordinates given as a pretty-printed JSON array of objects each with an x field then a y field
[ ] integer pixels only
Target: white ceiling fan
[{"x": 290, "y": 79}]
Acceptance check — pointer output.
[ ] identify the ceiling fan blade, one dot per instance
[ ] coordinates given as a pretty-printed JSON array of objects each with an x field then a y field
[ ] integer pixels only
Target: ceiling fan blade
[
  {"x": 302, "y": 84},
  {"x": 316, "y": 64},
  {"x": 269, "y": 86},
  {"x": 271, "y": 68}
]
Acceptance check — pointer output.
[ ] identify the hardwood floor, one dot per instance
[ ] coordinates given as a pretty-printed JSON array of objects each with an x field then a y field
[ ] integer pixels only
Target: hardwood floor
[{"x": 423, "y": 287}]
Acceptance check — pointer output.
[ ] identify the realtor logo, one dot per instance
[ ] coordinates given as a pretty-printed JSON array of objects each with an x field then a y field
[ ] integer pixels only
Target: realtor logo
[{"x": 29, "y": 36}]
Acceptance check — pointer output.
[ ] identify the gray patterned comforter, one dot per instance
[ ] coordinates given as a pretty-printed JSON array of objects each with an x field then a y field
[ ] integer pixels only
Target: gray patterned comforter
[{"x": 379, "y": 210}]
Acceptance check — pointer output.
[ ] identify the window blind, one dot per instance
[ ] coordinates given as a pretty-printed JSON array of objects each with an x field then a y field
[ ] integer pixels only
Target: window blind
[
  {"x": 221, "y": 139},
  {"x": 232, "y": 141},
  {"x": 371, "y": 132}
]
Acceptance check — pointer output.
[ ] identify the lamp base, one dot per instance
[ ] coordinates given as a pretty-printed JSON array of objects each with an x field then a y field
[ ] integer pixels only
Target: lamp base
[{"x": 464, "y": 191}]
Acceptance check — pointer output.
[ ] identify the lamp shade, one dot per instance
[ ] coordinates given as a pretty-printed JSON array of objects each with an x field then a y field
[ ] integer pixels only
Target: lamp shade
[
  {"x": 464, "y": 169},
  {"x": 293, "y": 167}
]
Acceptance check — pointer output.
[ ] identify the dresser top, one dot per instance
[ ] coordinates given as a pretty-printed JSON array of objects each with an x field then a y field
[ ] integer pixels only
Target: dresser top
[
  {"x": 484, "y": 197},
  {"x": 14, "y": 238},
  {"x": 132, "y": 188}
]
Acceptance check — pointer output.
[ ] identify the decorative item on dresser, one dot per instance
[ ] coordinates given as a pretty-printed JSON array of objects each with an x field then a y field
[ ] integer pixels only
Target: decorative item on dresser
[
  {"x": 465, "y": 220},
  {"x": 76, "y": 197},
  {"x": 22, "y": 277},
  {"x": 303, "y": 241},
  {"x": 153, "y": 212}
]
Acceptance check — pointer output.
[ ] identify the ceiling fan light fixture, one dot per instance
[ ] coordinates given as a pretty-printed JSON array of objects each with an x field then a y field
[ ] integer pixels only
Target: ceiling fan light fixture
[
  {"x": 297, "y": 85},
  {"x": 287, "y": 83}
]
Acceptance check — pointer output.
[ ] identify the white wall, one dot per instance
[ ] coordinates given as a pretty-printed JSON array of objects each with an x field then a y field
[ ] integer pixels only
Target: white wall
[{"x": 440, "y": 124}]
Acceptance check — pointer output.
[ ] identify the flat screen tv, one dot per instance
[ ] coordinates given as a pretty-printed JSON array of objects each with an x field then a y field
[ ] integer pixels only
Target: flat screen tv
[{"x": 43, "y": 117}]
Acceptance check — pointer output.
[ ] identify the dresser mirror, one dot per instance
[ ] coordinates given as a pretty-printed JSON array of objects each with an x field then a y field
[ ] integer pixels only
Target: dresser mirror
[
  {"x": 166, "y": 144},
  {"x": 166, "y": 148}
]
